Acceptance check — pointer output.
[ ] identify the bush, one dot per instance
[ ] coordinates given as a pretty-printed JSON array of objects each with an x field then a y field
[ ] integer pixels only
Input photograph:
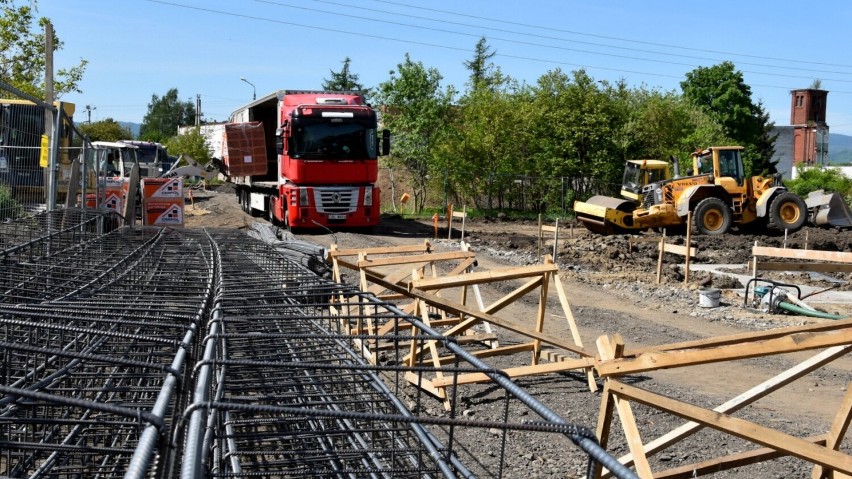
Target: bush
[
  {"x": 829, "y": 179},
  {"x": 9, "y": 208}
]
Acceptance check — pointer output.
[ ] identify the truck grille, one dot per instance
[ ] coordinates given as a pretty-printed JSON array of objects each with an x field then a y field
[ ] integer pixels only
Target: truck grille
[{"x": 336, "y": 200}]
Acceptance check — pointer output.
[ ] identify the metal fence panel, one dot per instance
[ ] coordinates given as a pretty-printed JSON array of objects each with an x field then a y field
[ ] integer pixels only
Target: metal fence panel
[{"x": 30, "y": 152}]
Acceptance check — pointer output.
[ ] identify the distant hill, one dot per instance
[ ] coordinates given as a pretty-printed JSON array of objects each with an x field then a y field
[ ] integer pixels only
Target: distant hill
[
  {"x": 839, "y": 149},
  {"x": 134, "y": 128}
]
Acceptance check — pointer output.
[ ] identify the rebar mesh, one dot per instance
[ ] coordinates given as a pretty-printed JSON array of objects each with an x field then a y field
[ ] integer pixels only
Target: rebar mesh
[
  {"x": 94, "y": 332},
  {"x": 164, "y": 353}
]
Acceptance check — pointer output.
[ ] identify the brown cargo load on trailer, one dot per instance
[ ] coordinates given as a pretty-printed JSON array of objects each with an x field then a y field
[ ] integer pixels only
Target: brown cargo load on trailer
[{"x": 244, "y": 149}]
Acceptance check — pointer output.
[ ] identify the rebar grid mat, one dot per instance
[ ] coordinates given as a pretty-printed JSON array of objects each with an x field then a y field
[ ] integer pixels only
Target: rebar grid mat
[
  {"x": 95, "y": 340},
  {"x": 191, "y": 353}
]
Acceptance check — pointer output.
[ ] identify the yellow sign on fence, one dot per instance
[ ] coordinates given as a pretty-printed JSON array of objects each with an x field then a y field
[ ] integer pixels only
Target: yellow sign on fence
[{"x": 45, "y": 146}]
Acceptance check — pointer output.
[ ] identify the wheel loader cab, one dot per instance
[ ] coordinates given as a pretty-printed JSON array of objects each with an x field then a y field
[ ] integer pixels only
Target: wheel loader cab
[
  {"x": 731, "y": 165},
  {"x": 639, "y": 173},
  {"x": 724, "y": 164}
]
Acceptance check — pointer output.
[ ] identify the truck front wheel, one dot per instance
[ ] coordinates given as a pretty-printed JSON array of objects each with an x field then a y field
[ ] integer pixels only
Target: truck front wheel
[
  {"x": 788, "y": 211},
  {"x": 270, "y": 212},
  {"x": 712, "y": 217}
]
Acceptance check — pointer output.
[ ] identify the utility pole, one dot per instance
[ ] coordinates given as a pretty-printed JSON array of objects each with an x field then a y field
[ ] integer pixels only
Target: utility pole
[
  {"x": 51, "y": 134},
  {"x": 89, "y": 109},
  {"x": 198, "y": 110}
]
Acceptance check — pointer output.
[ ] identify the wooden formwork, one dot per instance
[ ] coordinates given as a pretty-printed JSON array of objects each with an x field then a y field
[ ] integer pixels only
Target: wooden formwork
[
  {"x": 615, "y": 363},
  {"x": 808, "y": 260},
  {"x": 397, "y": 265},
  {"x": 431, "y": 300}
]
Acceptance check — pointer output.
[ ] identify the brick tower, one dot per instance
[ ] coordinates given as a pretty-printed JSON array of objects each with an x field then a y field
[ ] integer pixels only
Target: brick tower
[{"x": 810, "y": 132}]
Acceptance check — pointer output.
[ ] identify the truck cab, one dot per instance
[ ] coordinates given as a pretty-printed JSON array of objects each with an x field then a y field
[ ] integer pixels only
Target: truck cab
[
  {"x": 153, "y": 158},
  {"x": 321, "y": 152},
  {"x": 112, "y": 159}
]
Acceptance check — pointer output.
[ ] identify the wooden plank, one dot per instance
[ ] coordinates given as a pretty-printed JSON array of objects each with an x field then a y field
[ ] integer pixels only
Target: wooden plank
[
  {"x": 572, "y": 325},
  {"x": 838, "y": 430},
  {"x": 748, "y": 397},
  {"x": 520, "y": 371},
  {"x": 668, "y": 359},
  {"x": 689, "y": 254},
  {"x": 487, "y": 353},
  {"x": 728, "y": 462},
  {"x": 756, "y": 336},
  {"x": 680, "y": 249},
  {"x": 425, "y": 384},
  {"x": 540, "y": 315},
  {"x": 610, "y": 349},
  {"x": 422, "y": 258},
  {"x": 604, "y": 424},
  {"x": 809, "y": 254},
  {"x": 482, "y": 277},
  {"x": 740, "y": 428},
  {"x": 421, "y": 248}
]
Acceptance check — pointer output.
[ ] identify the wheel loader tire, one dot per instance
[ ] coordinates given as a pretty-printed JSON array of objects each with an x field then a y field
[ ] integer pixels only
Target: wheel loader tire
[
  {"x": 788, "y": 212},
  {"x": 712, "y": 217}
]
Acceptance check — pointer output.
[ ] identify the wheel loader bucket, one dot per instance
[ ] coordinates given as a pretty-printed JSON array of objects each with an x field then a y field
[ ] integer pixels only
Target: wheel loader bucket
[
  {"x": 603, "y": 214},
  {"x": 828, "y": 209}
]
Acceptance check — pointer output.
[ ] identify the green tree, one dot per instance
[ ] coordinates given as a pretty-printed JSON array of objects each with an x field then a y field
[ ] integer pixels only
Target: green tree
[
  {"x": 417, "y": 111},
  {"x": 663, "y": 124},
  {"x": 22, "y": 52},
  {"x": 165, "y": 115},
  {"x": 577, "y": 124},
  {"x": 344, "y": 80},
  {"x": 721, "y": 91},
  {"x": 480, "y": 154},
  {"x": 192, "y": 144},
  {"x": 105, "y": 130},
  {"x": 483, "y": 73}
]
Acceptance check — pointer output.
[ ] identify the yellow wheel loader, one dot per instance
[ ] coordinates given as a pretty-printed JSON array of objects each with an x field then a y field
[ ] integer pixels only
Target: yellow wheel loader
[{"x": 715, "y": 190}]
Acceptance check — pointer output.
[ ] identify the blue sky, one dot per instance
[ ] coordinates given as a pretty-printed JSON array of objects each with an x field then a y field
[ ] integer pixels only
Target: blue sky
[{"x": 138, "y": 48}]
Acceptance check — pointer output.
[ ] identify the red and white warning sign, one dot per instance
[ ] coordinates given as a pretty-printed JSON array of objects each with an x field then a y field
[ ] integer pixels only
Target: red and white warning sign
[
  {"x": 162, "y": 187},
  {"x": 164, "y": 213}
]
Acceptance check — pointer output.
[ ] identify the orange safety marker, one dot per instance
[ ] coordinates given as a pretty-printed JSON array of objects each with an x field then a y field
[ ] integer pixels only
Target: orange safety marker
[{"x": 435, "y": 222}]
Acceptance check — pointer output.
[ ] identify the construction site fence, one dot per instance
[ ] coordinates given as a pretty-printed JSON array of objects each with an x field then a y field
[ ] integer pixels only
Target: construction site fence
[
  {"x": 160, "y": 353},
  {"x": 505, "y": 191},
  {"x": 39, "y": 144}
]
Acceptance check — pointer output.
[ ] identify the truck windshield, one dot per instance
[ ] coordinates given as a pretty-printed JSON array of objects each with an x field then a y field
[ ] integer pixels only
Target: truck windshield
[{"x": 333, "y": 140}]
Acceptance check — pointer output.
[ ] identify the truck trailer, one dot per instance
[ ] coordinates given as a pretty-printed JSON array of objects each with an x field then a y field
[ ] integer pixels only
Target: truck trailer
[{"x": 306, "y": 159}]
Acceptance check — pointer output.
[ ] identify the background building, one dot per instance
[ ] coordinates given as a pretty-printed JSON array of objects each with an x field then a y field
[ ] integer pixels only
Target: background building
[{"x": 805, "y": 141}]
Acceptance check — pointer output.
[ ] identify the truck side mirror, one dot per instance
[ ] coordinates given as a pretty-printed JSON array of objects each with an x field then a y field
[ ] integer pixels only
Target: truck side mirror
[
  {"x": 279, "y": 140},
  {"x": 385, "y": 142}
]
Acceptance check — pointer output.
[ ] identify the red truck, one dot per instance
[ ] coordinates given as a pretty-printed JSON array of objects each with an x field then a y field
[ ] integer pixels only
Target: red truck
[{"x": 306, "y": 159}]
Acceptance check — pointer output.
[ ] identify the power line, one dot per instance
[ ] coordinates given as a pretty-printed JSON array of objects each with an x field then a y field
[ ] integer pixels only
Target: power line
[
  {"x": 461, "y": 49},
  {"x": 542, "y": 45},
  {"x": 680, "y": 47}
]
